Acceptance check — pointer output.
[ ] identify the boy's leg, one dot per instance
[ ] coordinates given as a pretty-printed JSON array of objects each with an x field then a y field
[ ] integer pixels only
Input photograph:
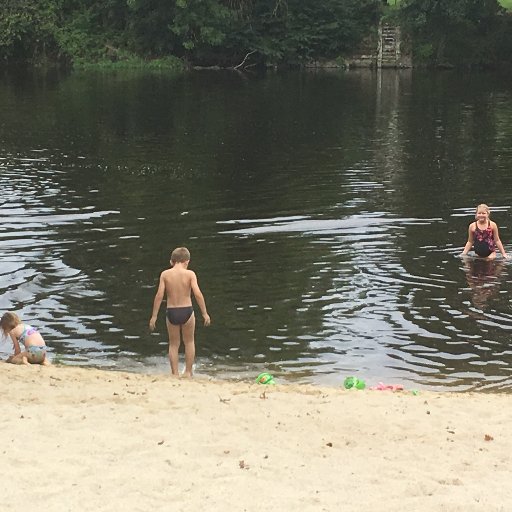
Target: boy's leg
[
  {"x": 188, "y": 329},
  {"x": 174, "y": 345}
]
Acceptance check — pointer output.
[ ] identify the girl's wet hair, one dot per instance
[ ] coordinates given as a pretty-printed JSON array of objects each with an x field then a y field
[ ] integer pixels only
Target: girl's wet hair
[
  {"x": 8, "y": 322},
  {"x": 484, "y": 207}
]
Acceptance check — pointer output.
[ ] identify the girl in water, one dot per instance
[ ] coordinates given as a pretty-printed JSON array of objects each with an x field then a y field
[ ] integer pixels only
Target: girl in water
[
  {"x": 483, "y": 235},
  {"x": 35, "y": 348}
]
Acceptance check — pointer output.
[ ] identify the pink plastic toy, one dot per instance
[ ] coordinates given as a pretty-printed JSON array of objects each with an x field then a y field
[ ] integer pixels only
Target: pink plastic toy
[{"x": 387, "y": 387}]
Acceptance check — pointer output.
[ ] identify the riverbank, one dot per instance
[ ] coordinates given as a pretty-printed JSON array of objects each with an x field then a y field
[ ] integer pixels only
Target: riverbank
[{"x": 86, "y": 439}]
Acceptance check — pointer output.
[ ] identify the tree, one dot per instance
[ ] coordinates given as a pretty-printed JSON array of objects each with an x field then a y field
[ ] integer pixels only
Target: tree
[
  {"x": 27, "y": 29},
  {"x": 451, "y": 32}
]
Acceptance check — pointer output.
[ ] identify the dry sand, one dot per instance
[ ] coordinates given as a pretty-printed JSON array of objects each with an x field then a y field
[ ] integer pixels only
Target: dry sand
[{"x": 92, "y": 440}]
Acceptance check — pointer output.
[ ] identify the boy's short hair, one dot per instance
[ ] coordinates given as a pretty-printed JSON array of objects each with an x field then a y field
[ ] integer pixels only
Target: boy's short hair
[{"x": 180, "y": 255}]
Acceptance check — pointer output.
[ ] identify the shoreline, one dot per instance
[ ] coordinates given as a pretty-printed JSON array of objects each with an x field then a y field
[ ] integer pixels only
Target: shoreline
[
  {"x": 94, "y": 439},
  {"x": 282, "y": 378}
]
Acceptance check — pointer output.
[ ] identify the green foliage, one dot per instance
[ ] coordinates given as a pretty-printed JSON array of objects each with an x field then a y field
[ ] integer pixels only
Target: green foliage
[
  {"x": 200, "y": 23},
  {"x": 295, "y": 31},
  {"x": 424, "y": 52},
  {"x": 326, "y": 29},
  {"x": 135, "y": 33},
  {"x": 132, "y": 62},
  {"x": 147, "y": 30},
  {"x": 26, "y": 29},
  {"x": 458, "y": 32}
]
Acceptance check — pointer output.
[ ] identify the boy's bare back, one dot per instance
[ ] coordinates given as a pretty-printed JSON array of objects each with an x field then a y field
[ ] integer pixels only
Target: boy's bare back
[{"x": 178, "y": 282}]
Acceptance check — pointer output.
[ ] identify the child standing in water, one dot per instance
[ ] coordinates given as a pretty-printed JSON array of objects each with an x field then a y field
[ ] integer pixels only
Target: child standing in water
[
  {"x": 178, "y": 283},
  {"x": 483, "y": 235},
  {"x": 20, "y": 333}
]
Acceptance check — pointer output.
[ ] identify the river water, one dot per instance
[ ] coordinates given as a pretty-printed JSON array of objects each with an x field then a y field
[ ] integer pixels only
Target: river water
[{"x": 324, "y": 213}]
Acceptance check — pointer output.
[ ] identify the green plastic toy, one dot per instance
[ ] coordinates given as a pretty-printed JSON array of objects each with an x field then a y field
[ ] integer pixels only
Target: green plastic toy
[
  {"x": 354, "y": 383},
  {"x": 265, "y": 378}
]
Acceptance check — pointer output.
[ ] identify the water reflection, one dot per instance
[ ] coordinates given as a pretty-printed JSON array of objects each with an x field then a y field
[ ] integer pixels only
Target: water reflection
[
  {"x": 324, "y": 214},
  {"x": 484, "y": 279}
]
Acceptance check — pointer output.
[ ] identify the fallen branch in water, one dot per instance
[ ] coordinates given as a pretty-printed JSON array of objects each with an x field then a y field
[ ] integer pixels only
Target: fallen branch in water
[{"x": 245, "y": 58}]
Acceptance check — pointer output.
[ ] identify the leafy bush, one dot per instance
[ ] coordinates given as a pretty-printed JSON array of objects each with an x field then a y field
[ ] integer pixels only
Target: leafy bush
[
  {"x": 140, "y": 33},
  {"x": 458, "y": 32}
]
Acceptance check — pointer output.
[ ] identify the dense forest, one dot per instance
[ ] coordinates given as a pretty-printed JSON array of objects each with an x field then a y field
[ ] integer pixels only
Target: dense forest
[{"x": 231, "y": 33}]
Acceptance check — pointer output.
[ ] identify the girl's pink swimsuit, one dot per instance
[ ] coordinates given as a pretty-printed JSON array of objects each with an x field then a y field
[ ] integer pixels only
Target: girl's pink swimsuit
[
  {"x": 27, "y": 331},
  {"x": 483, "y": 242}
]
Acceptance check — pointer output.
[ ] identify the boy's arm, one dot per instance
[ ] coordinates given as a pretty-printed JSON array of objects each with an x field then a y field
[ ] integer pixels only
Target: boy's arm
[
  {"x": 157, "y": 302},
  {"x": 200, "y": 299},
  {"x": 497, "y": 240},
  {"x": 469, "y": 243}
]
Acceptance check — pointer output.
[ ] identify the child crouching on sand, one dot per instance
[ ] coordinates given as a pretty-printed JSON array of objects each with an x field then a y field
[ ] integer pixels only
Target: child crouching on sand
[{"x": 20, "y": 333}]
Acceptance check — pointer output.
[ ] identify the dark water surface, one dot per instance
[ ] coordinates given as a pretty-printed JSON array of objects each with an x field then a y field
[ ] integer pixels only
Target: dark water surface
[{"x": 324, "y": 213}]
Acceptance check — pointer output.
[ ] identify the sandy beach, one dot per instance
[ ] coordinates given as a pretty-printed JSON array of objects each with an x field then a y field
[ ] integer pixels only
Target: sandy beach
[{"x": 83, "y": 439}]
